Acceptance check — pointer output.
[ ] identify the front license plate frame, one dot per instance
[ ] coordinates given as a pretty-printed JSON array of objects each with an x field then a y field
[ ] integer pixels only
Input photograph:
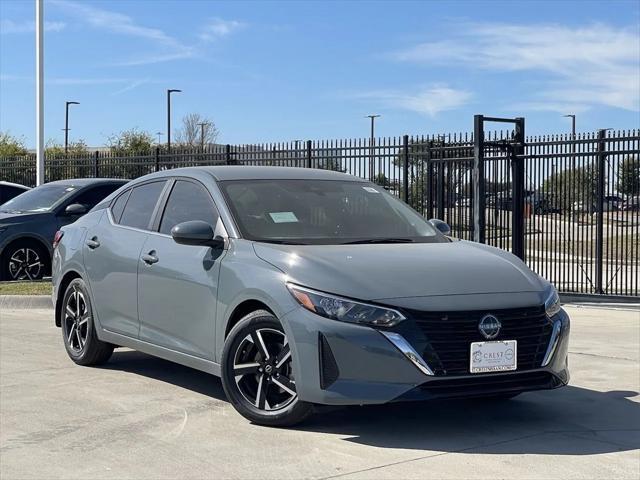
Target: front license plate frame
[{"x": 493, "y": 356}]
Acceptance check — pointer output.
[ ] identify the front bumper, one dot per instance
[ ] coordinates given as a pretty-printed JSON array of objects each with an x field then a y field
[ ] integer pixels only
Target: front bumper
[{"x": 338, "y": 363}]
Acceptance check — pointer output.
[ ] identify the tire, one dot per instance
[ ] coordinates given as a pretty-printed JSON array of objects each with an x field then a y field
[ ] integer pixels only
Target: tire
[
  {"x": 78, "y": 327},
  {"x": 24, "y": 260},
  {"x": 257, "y": 393}
]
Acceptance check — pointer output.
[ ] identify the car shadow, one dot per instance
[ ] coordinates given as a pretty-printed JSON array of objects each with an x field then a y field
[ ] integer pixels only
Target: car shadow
[{"x": 567, "y": 421}]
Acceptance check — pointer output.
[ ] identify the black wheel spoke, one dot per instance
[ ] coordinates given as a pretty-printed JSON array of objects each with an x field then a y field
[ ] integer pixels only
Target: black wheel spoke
[
  {"x": 260, "y": 345},
  {"x": 286, "y": 384},
  {"x": 283, "y": 356}
]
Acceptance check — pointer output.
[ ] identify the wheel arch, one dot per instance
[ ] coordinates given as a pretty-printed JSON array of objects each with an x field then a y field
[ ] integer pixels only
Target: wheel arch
[
  {"x": 62, "y": 288},
  {"x": 242, "y": 309}
]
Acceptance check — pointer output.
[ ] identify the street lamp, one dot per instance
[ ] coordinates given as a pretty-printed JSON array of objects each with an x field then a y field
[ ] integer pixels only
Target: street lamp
[
  {"x": 159, "y": 134},
  {"x": 202, "y": 125},
  {"x": 66, "y": 125},
  {"x": 372, "y": 144},
  {"x": 169, "y": 92}
]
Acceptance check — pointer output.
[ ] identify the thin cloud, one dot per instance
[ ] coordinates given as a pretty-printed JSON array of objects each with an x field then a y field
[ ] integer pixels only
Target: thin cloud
[
  {"x": 131, "y": 86},
  {"x": 170, "y": 48},
  {"x": 10, "y": 27},
  {"x": 427, "y": 101},
  {"x": 593, "y": 65},
  {"x": 218, "y": 28}
]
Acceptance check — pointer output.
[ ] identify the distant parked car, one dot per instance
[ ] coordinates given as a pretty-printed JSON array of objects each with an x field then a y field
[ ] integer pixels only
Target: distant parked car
[
  {"x": 580, "y": 206},
  {"x": 28, "y": 223},
  {"x": 631, "y": 204},
  {"x": 9, "y": 190}
]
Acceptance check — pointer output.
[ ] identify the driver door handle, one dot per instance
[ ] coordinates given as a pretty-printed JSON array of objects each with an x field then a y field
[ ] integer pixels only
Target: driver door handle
[
  {"x": 93, "y": 243},
  {"x": 150, "y": 258}
]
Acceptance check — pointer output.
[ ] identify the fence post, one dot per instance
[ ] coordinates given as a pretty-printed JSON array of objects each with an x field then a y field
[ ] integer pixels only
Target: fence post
[
  {"x": 157, "y": 159},
  {"x": 309, "y": 154},
  {"x": 601, "y": 159},
  {"x": 405, "y": 167},
  {"x": 429, "y": 181},
  {"x": 517, "y": 214},
  {"x": 96, "y": 173},
  {"x": 227, "y": 155},
  {"x": 478, "y": 183}
]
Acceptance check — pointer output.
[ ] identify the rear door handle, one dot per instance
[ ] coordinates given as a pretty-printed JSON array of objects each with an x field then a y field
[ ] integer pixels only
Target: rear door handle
[
  {"x": 150, "y": 258},
  {"x": 93, "y": 243}
]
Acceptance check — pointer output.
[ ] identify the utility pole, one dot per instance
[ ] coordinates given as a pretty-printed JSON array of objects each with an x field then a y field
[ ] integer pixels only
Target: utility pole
[
  {"x": 573, "y": 137},
  {"x": 169, "y": 92},
  {"x": 39, "y": 92},
  {"x": 66, "y": 125},
  {"x": 372, "y": 146},
  {"x": 202, "y": 125}
]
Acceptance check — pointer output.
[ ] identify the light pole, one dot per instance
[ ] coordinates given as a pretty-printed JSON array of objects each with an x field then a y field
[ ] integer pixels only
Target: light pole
[
  {"x": 169, "y": 92},
  {"x": 372, "y": 144},
  {"x": 39, "y": 92},
  {"x": 66, "y": 124},
  {"x": 573, "y": 137},
  {"x": 159, "y": 134},
  {"x": 202, "y": 125}
]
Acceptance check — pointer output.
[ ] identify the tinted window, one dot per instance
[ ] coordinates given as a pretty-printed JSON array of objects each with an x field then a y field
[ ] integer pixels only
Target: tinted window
[
  {"x": 118, "y": 206},
  {"x": 39, "y": 199},
  {"x": 7, "y": 193},
  {"x": 188, "y": 201},
  {"x": 90, "y": 197},
  {"x": 139, "y": 208},
  {"x": 323, "y": 212}
]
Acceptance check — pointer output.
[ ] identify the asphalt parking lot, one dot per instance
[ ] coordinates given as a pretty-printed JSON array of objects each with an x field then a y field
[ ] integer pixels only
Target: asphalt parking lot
[{"x": 141, "y": 417}]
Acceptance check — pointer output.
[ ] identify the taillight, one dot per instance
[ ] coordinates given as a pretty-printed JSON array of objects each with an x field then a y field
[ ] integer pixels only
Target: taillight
[{"x": 56, "y": 239}]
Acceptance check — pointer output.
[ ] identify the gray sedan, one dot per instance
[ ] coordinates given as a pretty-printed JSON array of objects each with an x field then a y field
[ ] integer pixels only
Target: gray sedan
[{"x": 302, "y": 287}]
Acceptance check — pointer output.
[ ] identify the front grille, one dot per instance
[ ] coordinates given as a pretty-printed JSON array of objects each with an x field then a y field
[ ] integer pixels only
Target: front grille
[{"x": 449, "y": 335}]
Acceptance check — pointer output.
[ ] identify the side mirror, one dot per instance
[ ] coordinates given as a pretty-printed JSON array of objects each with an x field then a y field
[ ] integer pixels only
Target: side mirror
[
  {"x": 197, "y": 233},
  {"x": 75, "y": 209},
  {"x": 442, "y": 227}
]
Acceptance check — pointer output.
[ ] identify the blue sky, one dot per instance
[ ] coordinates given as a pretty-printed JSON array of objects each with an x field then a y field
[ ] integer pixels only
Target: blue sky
[{"x": 274, "y": 71}]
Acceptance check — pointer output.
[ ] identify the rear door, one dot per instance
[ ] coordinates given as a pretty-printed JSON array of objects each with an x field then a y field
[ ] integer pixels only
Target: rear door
[
  {"x": 112, "y": 254},
  {"x": 178, "y": 284}
]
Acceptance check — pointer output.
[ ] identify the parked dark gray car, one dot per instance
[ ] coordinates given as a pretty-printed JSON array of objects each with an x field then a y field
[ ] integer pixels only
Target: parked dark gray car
[
  {"x": 302, "y": 287},
  {"x": 29, "y": 222}
]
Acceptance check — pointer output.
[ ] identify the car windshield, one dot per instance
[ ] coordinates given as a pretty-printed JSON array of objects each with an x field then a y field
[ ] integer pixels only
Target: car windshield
[
  {"x": 323, "y": 212},
  {"x": 40, "y": 199}
]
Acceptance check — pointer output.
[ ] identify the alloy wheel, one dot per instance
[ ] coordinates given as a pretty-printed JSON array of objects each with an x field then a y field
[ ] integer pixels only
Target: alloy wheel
[
  {"x": 76, "y": 319},
  {"x": 25, "y": 264},
  {"x": 262, "y": 368}
]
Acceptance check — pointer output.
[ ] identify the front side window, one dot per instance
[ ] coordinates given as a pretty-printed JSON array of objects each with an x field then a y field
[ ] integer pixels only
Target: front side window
[
  {"x": 39, "y": 199},
  {"x": 93, "y": 195},
  {"x": 140, "y": 205},
  {"x": 323, "y": 212},
  {"x": 188, "y": 201}
]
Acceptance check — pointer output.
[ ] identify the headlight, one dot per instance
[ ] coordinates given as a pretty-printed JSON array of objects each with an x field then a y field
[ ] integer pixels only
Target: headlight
[
  {"x": 343, "y": 309},
  {"x": 552, "y": 304}
]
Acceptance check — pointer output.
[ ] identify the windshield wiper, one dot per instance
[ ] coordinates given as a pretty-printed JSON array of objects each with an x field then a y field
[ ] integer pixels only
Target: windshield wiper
[
  {"x": 380, "y": 240},
  {"x": 282, "y": 242}
]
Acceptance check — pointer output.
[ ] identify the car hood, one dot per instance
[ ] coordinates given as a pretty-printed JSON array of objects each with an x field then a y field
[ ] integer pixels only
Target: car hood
[
  {"x": 388, "y": 271},
  {"x": 7, "y": 219}
]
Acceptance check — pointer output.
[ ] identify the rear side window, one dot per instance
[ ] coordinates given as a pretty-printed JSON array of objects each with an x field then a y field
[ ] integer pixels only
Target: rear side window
[
  {"x": 118, "y": 206},
  {"x": 139, "y": 208},
  {"x": 188, "y": 201}
]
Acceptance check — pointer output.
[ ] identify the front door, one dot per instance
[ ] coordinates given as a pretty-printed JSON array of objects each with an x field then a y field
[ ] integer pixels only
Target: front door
[{"x": 178, "y": 284}]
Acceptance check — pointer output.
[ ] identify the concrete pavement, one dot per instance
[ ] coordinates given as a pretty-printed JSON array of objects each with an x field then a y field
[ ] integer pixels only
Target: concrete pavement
[{"x": 141, "y": 417}]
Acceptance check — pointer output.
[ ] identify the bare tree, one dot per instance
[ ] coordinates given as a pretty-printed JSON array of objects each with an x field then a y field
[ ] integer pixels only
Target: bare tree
[{"x": 196, "y": 130}]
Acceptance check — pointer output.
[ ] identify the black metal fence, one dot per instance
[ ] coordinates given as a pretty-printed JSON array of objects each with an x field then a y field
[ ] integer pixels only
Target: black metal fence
[{"x": 570, "y": 207}]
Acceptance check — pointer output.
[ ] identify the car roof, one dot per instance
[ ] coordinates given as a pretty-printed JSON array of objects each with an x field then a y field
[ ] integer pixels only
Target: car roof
[
  {"x": 251, "y": 172},
  {"x": 83, "y": 182},
  {"x": 17, "y": 185}
]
